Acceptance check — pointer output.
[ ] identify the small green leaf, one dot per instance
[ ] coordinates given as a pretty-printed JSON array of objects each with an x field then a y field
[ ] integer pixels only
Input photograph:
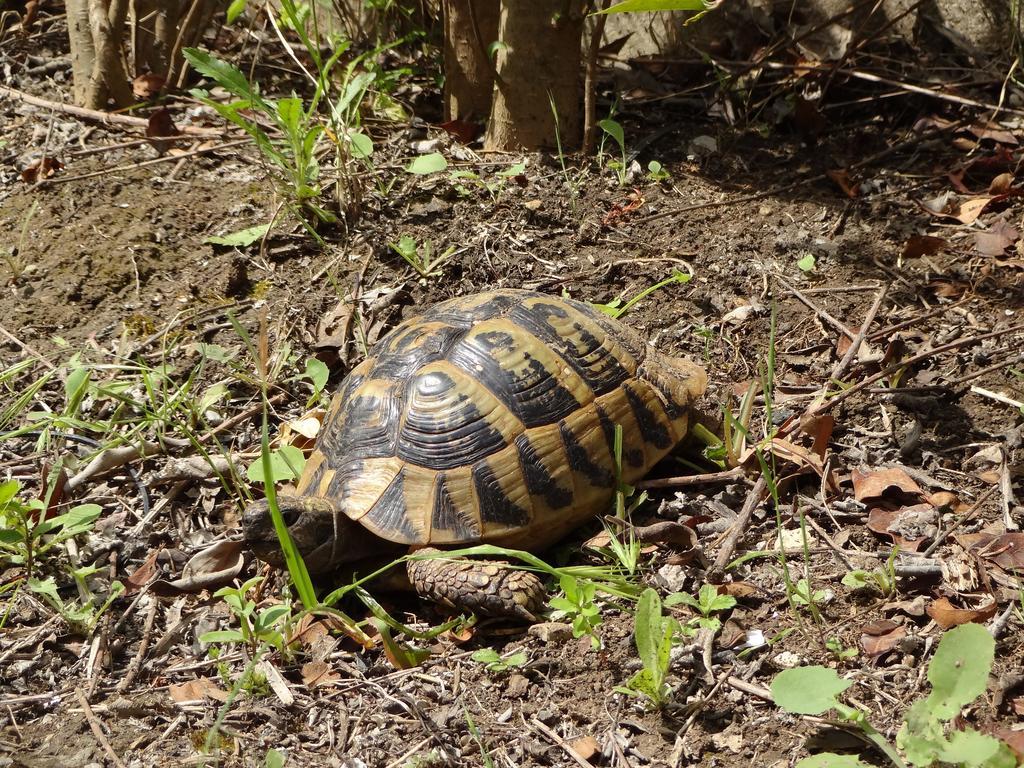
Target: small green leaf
[
  {"x": 241, "y": 238},
  {"x": 971, "y": 749},
  {"x": 648, "y": 628},
  {"x": 222, "y": 636},
  {"x": 855, "y": 579},
  {"x": 831, "y": 760},
  {"x": 808, "y": 690},
  {"x": 645, "y": 6},
  {"x": 486, "y": 656},
  {"x": 362, "y": 145},
  {"x": 235, "y": 10},
  {"x": 614, "y": 130},
  {"x": 425, "y": 164},
  {"x": 807, "y": 263},
  {"x": 222, "y": 73},
  {"x": 317, "y": 372},
  {"x": 286, "y": 463},
  {"x": 8, "y": 490},
  {"x": 959, "y": 670}
]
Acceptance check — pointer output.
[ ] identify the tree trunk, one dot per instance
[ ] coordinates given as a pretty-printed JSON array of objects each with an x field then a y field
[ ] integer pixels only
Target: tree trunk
[
  {"x": 83, "y": 52},
  {"x": 538, "y": 62},
  {"x": 470, "y": 26}
]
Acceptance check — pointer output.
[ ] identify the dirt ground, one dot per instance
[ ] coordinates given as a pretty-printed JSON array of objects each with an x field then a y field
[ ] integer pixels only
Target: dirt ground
[{"x": 114, "y": 268}]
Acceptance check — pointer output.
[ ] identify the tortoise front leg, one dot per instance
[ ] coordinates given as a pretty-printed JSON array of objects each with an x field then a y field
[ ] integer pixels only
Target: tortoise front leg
[{"x": 481, "y": 586}]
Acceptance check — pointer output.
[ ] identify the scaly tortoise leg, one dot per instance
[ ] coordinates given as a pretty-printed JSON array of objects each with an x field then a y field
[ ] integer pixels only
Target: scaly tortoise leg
[{"x": 481, "y": 586}]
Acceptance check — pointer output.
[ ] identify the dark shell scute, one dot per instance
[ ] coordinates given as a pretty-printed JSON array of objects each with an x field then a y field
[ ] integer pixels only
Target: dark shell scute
[
  {"x": 495, "y": 505},
  {"x": 444, "y": 429}
]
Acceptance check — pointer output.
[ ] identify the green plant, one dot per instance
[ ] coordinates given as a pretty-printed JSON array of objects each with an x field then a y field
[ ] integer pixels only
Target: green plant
[
  {"x": 958, "y": 673},
  {"x": 617, "y": 308},
  {"x": 614, "y": 129},
  {"x": 255, "y": 628},
  {"x": 25, "y": 536},
  {"x": 657, "y": 173},
  {"x": 707, "y": 603},
  {"x": 882, "y": 578},
  {"x": 421, "y": 256},
  {"x": 275, "y": 759},
  {"x": 807, "y": 597},
  {"x": 83, "y": 616},
  {"x": 579, "y": 607},
  {"x": 572, "y": 185},
  {"x": 497, "y": 663},
  {"x": 493, "y": 187},
  {"x": 654, "y": 635},
  {"x": 807, "y": 262},
  {"x": 841, "y": 653}
]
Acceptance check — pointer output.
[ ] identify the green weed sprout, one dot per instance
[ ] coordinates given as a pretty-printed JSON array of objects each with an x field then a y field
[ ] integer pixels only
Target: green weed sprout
[
  {"x": 883, "y": 579},
  {"x": 655, "y": 635},
  {"x": 24, "y": 538},
  {"x": 497, "y": 663},
  {"x": 254, "y": 627},
  {"x": 958, "y": 673},
  {"x": 614, "y": 129},
  {"x": 707, "y": 603},
  {"x": 420, "y": 256},
  {"x": 579, "y": 607}
]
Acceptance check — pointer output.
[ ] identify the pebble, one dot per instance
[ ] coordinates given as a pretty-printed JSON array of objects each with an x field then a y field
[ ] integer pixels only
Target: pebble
[
  {"x": 517, "y": 685},
  {"x": 551, "y": 632},
  {"x": 787, "y": 660}
]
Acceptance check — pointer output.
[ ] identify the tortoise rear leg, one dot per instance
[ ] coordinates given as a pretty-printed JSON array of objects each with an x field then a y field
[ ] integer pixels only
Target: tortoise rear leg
[{"x": 481, "y": 586}]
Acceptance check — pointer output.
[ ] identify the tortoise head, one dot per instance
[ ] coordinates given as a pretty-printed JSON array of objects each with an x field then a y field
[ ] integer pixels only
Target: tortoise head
[
  {"x": 324, "y": 535},
  {"x": 317, "y": 526}
]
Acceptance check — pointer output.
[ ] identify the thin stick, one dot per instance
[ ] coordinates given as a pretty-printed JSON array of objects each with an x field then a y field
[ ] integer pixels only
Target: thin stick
[
  {"x": 966, "y": 517},
  {"x": 834, "y": 401},
  {"x": 106, "y": 118},
  {"x": 144, "y": 164},
  {"x": 25, "y": 347},
  {"x": 739, "y": 526},
  {"x": 999, "y": 398},
  {"x": 136, "y": 662},
  {"x": 940, "y": 310},
  {"x": 97, "y": 729},
  {"x": 843, "y": 364},
  {"x": 678, "y": 482},
  {"x": 558, "y": 740},
  {"x": 817, "y": 310}
]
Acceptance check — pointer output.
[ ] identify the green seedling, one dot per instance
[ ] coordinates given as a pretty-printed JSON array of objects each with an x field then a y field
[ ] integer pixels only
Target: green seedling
[
  {"x": 841, "y": 653},
  {"x": 286, "y": 464},
  {"x": 255, "y": 628},
  {"x": 421, "y": 256},
  {"x": 83, "y": 616},
  {"x": 656, "y": 173},
  {"x": 614, "y": 129},
  {"x": 275, "y": 759},
  {"x": 958, "y": 673},
  {"x": 655, "y": 636},
  {"x": 571, "y": 184},
  {"x": 707, "y": 603},
  {"x": 497, "y": 663},
  {"x": 25, "y": 537},
  {"x": 617, "y": 307},
  {"x": 424, "y": 165},
  {"x": 882, "y": 579},
  {"x": 492, "y": 188},
  {"x": 807, "y": 597},
  {"x": 316, "y": 373},
  {"x": 807, "y": 262},
  {"x": 579, "y": 606}
]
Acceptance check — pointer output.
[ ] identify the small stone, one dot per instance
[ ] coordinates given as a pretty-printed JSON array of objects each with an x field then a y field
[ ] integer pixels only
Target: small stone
[
  {"x": 547, "y": 717},
  {"x": 551, "y": 632},
  {"x": 672, "y": 577},
  {"x": 787, "y": 660},
  {"x": 517, "y": 686}
]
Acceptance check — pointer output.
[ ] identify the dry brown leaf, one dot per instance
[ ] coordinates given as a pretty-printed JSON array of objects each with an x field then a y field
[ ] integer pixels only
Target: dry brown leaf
[
  {"x": 909, "y": 527},
  {"x": 43, "y": 168},
  {"x": 146, "y": 86},
  {"x": 737, "y": 589},
  {"x": 317, "y": 674},
  {"x": 947, "y": 615},
  {"x": 1001, "y": 184},
  {"x": 196, "y": 690},
  {"x": 881, "y": 636},
  {"x": 969, "y": 210},
  {"x": 842, "y": 180},
  {"x": 996, "y": 239},
  {"x": 585, "y": 746},
  {"x": 142, "y": 575},
  {"x": 922, "y": 245},
  {"x": 1006, "y": 550},
  {"x": 211, "y": 568},
  {"x": 871, "y": 484}
]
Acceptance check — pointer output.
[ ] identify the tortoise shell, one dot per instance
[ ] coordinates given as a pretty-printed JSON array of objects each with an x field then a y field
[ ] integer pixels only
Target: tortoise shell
[{"x": 491, "y": 418}]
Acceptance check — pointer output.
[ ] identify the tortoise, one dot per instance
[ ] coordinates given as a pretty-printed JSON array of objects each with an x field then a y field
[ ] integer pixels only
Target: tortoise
[{"x": 487, "y": 419}]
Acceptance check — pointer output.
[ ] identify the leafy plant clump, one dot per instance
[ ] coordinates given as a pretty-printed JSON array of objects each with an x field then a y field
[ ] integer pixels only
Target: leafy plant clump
[{"x": 958, "y": 673}]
